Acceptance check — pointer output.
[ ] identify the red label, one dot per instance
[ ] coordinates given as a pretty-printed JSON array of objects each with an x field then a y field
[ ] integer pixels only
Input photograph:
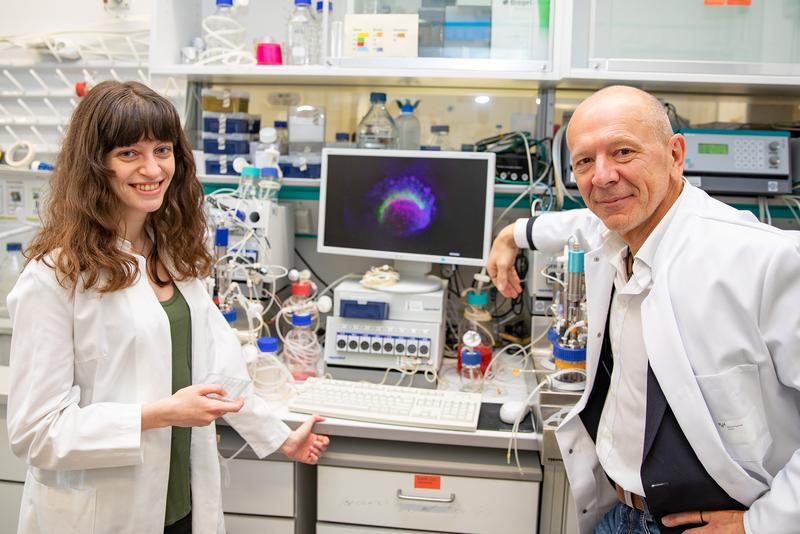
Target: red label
[
  {"x": 433, "y": 482},
  {"x": 740, "y": 2},
  {"x": 714, "y": 2}
]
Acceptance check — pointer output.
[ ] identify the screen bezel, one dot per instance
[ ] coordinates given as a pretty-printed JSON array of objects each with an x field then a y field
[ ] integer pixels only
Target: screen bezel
[{"x": 489, "y": 157}]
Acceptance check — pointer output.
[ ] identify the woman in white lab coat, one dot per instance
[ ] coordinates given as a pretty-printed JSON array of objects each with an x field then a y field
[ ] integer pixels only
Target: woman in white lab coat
[{"x": 113, "y": 331}]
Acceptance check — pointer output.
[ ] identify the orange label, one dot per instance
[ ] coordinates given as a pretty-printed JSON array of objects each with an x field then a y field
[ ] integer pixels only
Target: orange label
[
  {"x": 714, "y": 2},
  {"x": 433, "y": 482},
  {"x": 740, "y": 2}
]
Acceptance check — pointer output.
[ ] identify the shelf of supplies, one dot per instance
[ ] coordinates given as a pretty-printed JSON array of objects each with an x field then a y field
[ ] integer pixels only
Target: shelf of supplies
[{"x": 335, "y": 75}]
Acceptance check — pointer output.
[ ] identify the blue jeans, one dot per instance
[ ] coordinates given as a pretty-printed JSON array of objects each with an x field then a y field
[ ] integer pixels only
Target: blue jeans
[{"x": 623, "y": 519}]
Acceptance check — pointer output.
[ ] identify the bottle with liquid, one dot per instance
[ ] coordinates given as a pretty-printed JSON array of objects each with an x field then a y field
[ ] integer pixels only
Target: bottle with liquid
[
  {"x": 302, "y": 34},
  {"x": 478, "y": 319},
  {"x": 408, "y": 128},
  {"x": 440, "y": 136},
  {"x": 222, "y": 30},
  {"x": 469, "y": 360},
  {"x": 318, "y": 30},
  {"x": 377, "y": 129},
  {"x": 10, "y": 267},
  {"x": 282, "y": 133},
  {"x": 301, "y": 348}
]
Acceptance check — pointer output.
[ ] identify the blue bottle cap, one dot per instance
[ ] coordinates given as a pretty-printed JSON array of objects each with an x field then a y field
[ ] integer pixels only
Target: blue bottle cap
[
  {"x": 221, "y": 237},
  {"x": 477, "y": 298},
  {"x": 13, "y": 247},
  {"x": 438, "y": 128},
  {"x": 240, "y": 215},
  {"x": 230, "y": 315},
  {"x": 269, "y": 171},
  {"x": 342, "y": 136},
  {"x": 280, "y": 124},
  {"x": 319, "y": 5},
  {"x": 377, "y": 97},
  {"x": 225, "y": 2},
  {"x": 301, "y": 319},
  {"x": 431, "y": 148},
  {"x": 267, "y": 344},
  {"x": 302, "y": 2},
  {"x": 470, "y": 356},
  {"x": 250, "y": 171}
]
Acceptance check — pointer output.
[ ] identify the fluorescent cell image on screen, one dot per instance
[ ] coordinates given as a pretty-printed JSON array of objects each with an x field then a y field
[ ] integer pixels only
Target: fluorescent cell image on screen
[
  {"x": 415, "y": 205},
  {"x": 406, "y": 205}
]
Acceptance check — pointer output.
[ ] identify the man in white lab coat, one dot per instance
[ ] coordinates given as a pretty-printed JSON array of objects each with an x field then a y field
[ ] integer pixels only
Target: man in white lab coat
[{"x": 691, "y": 415}]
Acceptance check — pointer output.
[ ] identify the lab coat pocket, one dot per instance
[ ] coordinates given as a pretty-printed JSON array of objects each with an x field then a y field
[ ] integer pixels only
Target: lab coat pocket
[
  {"x": 58, "y": 509},
  {"x": 734, "y": 400}
]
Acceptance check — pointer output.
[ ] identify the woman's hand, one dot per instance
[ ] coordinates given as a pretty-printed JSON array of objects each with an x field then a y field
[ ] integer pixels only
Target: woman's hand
[
  {"x": 303, "y": 445},
  {"x": 188, "y": 407}
]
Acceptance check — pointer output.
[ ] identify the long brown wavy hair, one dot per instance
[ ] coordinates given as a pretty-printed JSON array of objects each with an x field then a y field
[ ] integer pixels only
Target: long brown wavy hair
[{"x": 81, "y": 217}]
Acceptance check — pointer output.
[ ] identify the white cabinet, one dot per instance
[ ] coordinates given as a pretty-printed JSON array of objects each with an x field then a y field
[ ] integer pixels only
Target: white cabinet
[
  {"x": 435, "y": 488},
  {"x": 248, "y": 524},
  {"x": 259, "y": 488},
  {"x": 10, "y": 499},
  {"x": 331, "y": 528}
]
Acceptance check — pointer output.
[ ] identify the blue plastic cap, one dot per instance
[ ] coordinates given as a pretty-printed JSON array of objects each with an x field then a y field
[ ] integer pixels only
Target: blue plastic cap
[
  {"x": 240, "y": 215},
  {"x": 377, "y": 97},
  {"x": 319, "y": 5},
  {"x": 575, "y": 261},
  {"x": 477, "y": 298},
  {"x": 552, "y": 335},
  {"x": 13, "y": 247},
  {"x": 280, "y": 124},
  {"x": 224, "y": 2},
  {"x": 267, "y": 344},
  {"x": 342, "y": 136},
  {"x": 301, "y": 319},
  {"x": 408, "y": 107},
  {"x": 269, "y": 171},
  {"x": 302, "y": 2},
  {"x": 250, "y": 171},
  {"x": 221, "y": 237},
  {"x": 230, "y": 315},
  {"x": 470, "y": 356},
  {"x": 437, "y": 128}
]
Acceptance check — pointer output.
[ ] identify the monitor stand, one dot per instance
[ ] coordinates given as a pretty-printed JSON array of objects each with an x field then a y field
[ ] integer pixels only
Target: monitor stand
[{"x": 414, "y": 278}]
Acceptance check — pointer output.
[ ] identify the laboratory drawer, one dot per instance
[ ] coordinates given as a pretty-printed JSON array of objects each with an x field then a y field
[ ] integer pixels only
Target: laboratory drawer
[
  {"x": 260, "y": 487},
  {"x": 249, "y": 524},
  {"x": 11, "y": 468},
  {"x": 331, "y": 528},
  {"x": 471, "y": 505},
  {"x": 10, "y": 499}
]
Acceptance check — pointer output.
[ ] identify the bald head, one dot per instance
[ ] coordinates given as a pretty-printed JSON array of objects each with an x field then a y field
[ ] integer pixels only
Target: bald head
[{"x": 645, "y": 106}]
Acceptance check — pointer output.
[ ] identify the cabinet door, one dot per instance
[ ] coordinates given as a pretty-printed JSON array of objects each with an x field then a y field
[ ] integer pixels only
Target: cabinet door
[
  {"x": 396, "y": 499},
  {"x": 330, "y": 528},
  {"x": 260, "y": 488},
  {"x": 10, "y": 499},
  {"x": 248, "y": 524}
]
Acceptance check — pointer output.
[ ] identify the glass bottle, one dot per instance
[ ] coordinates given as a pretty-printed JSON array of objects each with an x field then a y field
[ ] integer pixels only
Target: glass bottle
[
  {"x": 477, "y": 318},
  {"x": 470, "y": 374},
  {"x": 318, "y": 31},
  {"x": 440, "y": 136},
  {"x": 377, "y": 129},
  {"x": 222, "y": 30},
  {"x": 408, "y": 128},
  {"x": 302, "y": 34},
  {"x": 301, "y": 348},
  {"x": 10, "y": 268}
]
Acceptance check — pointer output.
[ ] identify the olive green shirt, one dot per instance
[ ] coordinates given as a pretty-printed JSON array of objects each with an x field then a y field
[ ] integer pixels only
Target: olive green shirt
[{"x": 179, "y": 495}]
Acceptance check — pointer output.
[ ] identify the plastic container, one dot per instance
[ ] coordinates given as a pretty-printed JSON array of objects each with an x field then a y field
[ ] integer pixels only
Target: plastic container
[
  {"x": 222, "y": 30},
  {"x": 477, "y": 318},
  {"x": 225, "y": 101},
  {"x": 227, "y": 143},
  {"x": 408, "y": 127},
  {"x": 269, "y": 54},
  {"x": 10, "y": 267},
  {"x": 301, "y": 166},
  {"x": 302, "y": 34},
  {"x": 229, "y": 123},
  {"x": 222, "y": 164},
  {"x": 306, "y": 130},
  {"x": 301, "y": 348},
  {"x": 283, "y": 136},
  {"x": 440, "y": 136},
  {"x": 377, "y": 129}
]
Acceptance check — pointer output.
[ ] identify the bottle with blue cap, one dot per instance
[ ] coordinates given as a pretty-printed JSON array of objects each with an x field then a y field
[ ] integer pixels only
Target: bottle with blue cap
[
  {"x": 440, "y": 136},
  {"x": 301, "y": 348},
  {"x": 377, "y": 129},
  {"x": 302, "y": 34},
  {"x": 221, "y": 30},
  {"x": 469, "y": 358},
  {"x": 408, "y": 128},
  {"x": 10, "y": 268},
  {"x": 477, "y": 318},
  {"x": 282, "y": 133}
]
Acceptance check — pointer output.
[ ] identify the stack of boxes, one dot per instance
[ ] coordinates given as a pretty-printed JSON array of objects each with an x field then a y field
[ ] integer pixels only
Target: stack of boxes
[{"x": 228, "y": 129}]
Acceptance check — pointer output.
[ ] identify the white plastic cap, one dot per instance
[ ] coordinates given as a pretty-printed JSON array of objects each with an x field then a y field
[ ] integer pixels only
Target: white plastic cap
[
  {"x": 324, "y": 304},
  {"x": 294, "y": 275},
  {"x": 267, "y": 135}
]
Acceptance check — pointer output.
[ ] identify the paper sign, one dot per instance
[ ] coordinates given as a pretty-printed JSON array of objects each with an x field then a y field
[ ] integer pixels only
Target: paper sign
[
  {"x": 433, "y": 482},
  {"x": 380, "y": 35}
]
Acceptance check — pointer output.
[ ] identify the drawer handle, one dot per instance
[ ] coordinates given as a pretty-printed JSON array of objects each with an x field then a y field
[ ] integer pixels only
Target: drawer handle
[{"x": 449, "y": 499}]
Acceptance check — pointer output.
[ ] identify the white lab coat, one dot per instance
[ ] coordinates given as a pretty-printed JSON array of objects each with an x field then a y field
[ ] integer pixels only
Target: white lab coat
[
  {"x": 722, "y": 331},
  {"x": 81, "y": 369}
]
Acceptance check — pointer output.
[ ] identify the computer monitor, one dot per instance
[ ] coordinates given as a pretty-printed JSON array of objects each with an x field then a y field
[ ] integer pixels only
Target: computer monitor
[{"x": 408, "y": 205}]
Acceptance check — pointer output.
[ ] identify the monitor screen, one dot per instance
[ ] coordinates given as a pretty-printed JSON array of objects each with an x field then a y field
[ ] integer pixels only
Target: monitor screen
[{"x": 407, "y": 205}]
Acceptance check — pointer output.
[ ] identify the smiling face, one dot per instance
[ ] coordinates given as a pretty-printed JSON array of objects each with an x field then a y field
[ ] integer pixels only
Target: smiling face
[
  {"x": 627, "y": 165},
  {"x": 142, "y": 174}
]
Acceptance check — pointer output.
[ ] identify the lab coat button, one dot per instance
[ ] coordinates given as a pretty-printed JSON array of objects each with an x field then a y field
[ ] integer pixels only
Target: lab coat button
[
  {"x": 570, "y": 451},
  {"x": 599, "y": 334},
  {"x": 584, "y": 511}
]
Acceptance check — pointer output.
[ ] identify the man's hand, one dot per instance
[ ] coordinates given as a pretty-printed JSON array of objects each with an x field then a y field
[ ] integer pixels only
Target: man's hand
[
  {"x": 501, "y": 263},
  {"x": 718, "y": 522},
  {"x": 303, "y": 445}
]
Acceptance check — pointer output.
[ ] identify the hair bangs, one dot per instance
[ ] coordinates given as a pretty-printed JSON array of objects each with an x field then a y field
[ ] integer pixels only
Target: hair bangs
[{"x": 134, "y": 118}]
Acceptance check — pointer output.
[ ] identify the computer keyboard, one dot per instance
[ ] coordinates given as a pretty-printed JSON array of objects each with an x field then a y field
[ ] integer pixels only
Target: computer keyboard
[{"x": 394, "y": 405}]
